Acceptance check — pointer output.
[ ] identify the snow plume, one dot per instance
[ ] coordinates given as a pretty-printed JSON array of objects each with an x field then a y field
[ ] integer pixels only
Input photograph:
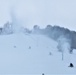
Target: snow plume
[
  {"x": 16, "y": 23},
  {"x": 64, "y": 44}
]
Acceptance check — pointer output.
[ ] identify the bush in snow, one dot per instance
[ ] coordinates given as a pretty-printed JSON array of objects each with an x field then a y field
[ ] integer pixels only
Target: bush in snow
[
  {"x": 14, "y": 46},
  {"x": 42, "y": 73},
  {"x": 7, "y": 29},
  {"x": 29, "y": 47},
  {"x": 1, "y": 30},
  {"x": 50, "y": 53},
  {"x": 71, "y": 65},
  {"x": 27, "y": 31},
  {"x": 48, "y": 27},
  {"x": 36, "y": 29}
]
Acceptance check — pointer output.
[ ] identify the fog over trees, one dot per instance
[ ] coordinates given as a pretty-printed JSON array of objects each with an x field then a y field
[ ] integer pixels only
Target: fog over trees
[{"x": 62, "y": 35}]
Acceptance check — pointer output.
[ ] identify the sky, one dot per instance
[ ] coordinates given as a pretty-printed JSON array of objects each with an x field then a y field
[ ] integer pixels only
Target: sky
[{"x": 39, "y": 12}]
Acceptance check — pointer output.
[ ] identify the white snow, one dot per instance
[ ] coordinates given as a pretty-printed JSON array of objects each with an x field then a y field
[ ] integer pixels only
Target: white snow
[{"x": 30, "y": 54}]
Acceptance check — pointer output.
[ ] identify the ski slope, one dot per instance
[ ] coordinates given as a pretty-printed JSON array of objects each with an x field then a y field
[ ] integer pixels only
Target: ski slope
[{"x": 33, "y": 54}]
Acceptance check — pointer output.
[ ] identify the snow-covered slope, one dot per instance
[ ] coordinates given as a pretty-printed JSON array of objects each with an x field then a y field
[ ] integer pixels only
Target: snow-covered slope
[{"x": 33, "y": 54}]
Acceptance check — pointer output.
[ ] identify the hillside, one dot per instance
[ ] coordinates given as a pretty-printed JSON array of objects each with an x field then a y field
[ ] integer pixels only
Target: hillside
[{"x": 33, "y": 54}]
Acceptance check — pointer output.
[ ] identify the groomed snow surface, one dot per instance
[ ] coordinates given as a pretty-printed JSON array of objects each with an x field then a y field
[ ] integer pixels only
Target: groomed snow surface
[{"x": 33, "y": 55}]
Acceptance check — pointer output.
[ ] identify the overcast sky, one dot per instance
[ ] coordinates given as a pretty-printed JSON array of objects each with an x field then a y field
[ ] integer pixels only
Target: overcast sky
[{"x": 40, "y": 12}]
